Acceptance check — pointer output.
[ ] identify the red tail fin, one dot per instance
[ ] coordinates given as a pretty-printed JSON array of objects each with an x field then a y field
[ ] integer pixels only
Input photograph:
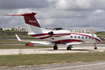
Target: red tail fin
[{"x": 29, "y": 19}]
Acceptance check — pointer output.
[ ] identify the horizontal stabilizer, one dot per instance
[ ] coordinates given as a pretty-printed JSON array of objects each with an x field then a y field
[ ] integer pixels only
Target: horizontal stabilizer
[{"x": 26, "y": 14}]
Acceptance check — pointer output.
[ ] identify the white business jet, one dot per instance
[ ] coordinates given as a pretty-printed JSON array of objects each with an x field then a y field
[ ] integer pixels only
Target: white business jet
[{"x": 55, "y": 37}]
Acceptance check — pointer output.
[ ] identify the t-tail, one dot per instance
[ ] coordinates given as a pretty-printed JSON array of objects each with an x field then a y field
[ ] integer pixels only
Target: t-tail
[{"x": 31, "y": 23}]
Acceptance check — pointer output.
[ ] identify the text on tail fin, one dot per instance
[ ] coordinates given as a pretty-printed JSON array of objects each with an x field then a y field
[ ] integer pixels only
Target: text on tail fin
[{"x": 31, "y": 20}]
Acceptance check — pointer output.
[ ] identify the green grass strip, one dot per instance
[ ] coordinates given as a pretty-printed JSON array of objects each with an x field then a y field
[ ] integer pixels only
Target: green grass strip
[{"x": 39, "y": 59}]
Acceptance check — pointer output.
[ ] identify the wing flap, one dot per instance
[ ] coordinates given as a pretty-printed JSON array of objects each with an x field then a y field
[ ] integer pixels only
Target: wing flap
[
  {"x": 74, "y": 43},
  {"x": 41, "y": 42}
]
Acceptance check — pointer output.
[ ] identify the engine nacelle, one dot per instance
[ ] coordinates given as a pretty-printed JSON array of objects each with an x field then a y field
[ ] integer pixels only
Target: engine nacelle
[{"x": 50, "y": 33}]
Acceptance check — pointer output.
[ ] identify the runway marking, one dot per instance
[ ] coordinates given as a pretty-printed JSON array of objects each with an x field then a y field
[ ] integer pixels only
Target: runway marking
[{"x": 74, "y": 66}]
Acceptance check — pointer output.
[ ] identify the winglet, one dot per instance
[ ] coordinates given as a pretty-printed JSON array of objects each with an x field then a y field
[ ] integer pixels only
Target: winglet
[{"x": 18, "y": 38}]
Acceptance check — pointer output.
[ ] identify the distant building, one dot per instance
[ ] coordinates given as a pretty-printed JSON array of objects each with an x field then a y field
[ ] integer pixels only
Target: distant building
[
  {"x": 83, "y": 30},
  {"x": 7, "y": 28},
  {"x": 23, "y": 30},
  {"x": 50, "y": 28},
  {"x": 16, "y": 29}
]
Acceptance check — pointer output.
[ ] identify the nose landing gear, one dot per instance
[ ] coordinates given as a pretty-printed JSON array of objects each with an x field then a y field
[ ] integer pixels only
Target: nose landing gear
[{"x": 95, "y": 47}]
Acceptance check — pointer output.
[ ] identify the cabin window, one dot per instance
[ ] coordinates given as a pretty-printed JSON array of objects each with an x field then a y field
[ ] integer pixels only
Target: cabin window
[
  {"x": 86, "y": 37},
  {"x": 89, "y": 37},
  {"x": 71, "y": 36},
  {"x": 82, "y": 37},
  {"x": 75, "y": 37},
  {"x": 78, "y": 36}
]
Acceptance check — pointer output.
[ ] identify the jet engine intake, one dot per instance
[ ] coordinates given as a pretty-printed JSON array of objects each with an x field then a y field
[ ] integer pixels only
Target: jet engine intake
[{"x": 50, "y": 33}]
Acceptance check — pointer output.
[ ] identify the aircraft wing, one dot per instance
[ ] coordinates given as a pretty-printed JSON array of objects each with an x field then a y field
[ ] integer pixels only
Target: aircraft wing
[
  {"x": 72, "y": 43},
  {"x": 35, "y": 42},
  {"x": 41, "y": 42}
]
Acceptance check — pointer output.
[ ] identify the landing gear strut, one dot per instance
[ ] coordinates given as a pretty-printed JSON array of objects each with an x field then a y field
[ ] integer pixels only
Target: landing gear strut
[
  {"x": 95, "y": 47},
  {"x": 55, "y": 47},
  {"x": 69, "y": 47}
]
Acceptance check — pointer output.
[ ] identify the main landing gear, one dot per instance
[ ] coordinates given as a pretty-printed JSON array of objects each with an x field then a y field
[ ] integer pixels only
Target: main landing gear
[
  {"x": 69, "y": 47},
  {"x": 95, "y": 47},
  {"x": 55, "y": 47}
]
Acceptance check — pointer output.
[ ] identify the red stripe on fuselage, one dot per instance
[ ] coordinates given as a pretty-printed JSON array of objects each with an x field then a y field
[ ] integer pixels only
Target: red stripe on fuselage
[
  {"x": 36, "y": 35},
  {"x": 87, "y": 36},
  {"x": 82, "y": 35},
  {"x": 54, "y": 35},
  {"x": 99, "y": 41},
  {"x": 67, "y": 41},
  {"x": 63, "y": 34},
  {"x": 44, "y": 37}
]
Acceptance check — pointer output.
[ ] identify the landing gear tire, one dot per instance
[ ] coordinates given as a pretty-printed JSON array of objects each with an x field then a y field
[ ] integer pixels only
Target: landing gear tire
[
  {"x": 69, "y": 47},
  {"x": 95, "y": 47},
  {"x": 55, "y": 47}
]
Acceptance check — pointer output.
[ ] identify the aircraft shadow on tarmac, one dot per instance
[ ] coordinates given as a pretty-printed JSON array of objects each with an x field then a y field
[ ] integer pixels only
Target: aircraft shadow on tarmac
[
  {"x": 71, "y": 50},
  {"x": 82, "y": 50}
]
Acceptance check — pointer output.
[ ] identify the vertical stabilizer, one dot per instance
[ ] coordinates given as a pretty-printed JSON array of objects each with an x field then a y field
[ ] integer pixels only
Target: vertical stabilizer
[
  {"x": 31, "y": 22},
  {"x": 30, "y": 19}
]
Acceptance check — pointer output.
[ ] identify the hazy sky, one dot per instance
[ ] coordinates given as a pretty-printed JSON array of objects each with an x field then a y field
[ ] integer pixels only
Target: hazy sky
[{"x": 69, "y": 14}]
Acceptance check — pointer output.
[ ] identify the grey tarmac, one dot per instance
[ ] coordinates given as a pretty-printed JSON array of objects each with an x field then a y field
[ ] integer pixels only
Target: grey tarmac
[{"x": 62, "y": 49}]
